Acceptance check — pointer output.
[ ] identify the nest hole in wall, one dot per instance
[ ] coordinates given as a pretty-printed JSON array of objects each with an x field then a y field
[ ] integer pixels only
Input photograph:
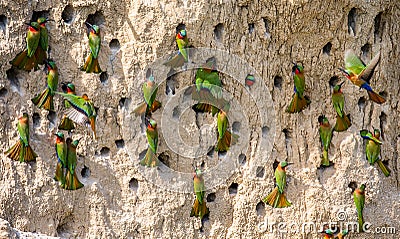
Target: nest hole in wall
[
  {"x": 211, "y": 197},
  {"x": 327, "y": 48},
  {"x": 36, "y": 120},
  {"x": 211, "y": 152},
  {"x": 96, "y": 18},
  {"x": 134, "y": 184},
  {"x": 365, "y": 50},
  {"x": 164, "y": 158},
  {"x": 68, "y": 14},
  {"x": 260, "y": 171},
  {"x": 260, "y": 208},
  {"x": 278, "y": 82},
  {"x": 38, "y": 14},
  {"x": 12, "y": 76},
  {"x": 3, "y": 23},
  {"x": 85, "y": 173},
  {"x": 242, "y": 159},
  {"x": 114, "y": 46},
  {"x": 105, "y": 152},
  {"x": 104, "y": 77},
  {"x": 361, "y": 103},
  {"x": 267, "y": 26},
  {"x": 251, "y": 28},
  {"x": 219, "y": 32},
  {"x": 233, "y": 188},
  {"x": 236, "y": 127},
  {"x": 52, "y": 117},
  {"x": 120, "y": 143},
  {"x": 351, "y": 21},
  {"x": 265, "y": 131},
  {"x": 170, "y": 83},
  {"x": 378, "y": 27},
  {"x": 3, "y": 92},
  {"x": 334, "y": 80}
]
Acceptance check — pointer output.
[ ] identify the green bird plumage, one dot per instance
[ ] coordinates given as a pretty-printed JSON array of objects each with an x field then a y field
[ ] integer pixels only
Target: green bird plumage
[
  {"x": 45, "y": 99},
  {"x": 342, "y": 120},
  {"x": 208, "y": 89},
  {"x": 66, "y": 123},
  {"x": 92, "y": 64},
  {"x": 150, "y": 158},
  {"x": 82, "y": 110},
  {"x": 225, "y": 137},
  {"x": 182, "y": 56},
  {"x": 299, "y": 100},
  {"x": 21, "y": 150},
  {"x": 373, "y": 149},
  {"x": 359, "y": 200},
  {"x": 360, "y": 74},
  {"x": 27, "y": 59},
  {"x": 150, "y": 104},
  {"x": 325, "y": 134},
  {"x": 277, "y": 198},
  {"x": 199, "y": 208},
  {"x": 71, "y": 179},
  {"x": 61, "y": 153},
  {"x": 41, "y": 53}
]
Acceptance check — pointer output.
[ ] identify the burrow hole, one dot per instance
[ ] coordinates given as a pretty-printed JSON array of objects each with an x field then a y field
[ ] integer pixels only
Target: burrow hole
[
  {"x": 68, "y": 14},
  {"x": 221, "y": 155},
  {"x": 211, "y": 152},
  {"x": 242, "y": 159},
  {"x": 334, "y": 80},
  {"x": 124, "y": 103},
  {"x": 382, "y": 123},
  {"x": 219, "y": 32},
  {"x": 251, "y": 28},
  {"x": 164, "y": 158},
  {"x": 260, "y": 208},
  {"x": 211, "y": 197},
  {"x": 134, "y": 184},
  {"x": 361, "y": 103},
  {"x": 176, "y": 113},
  {"x": 236, "y": 127},
  {"x": 365, "y": 50},
  {"x": 36, "y": 120},
  {"x": 378, "y": 27},
  {"x": 265, "y": 131},
  {"x": 327, "y": 48},
  {"x": 96, "y": 19},
  {"x": 351, "y": 21},
  {"x": 3, "y": 23},
  {"x": 85, "y": 173},
  {"x": 38, "y": 14},
  {"x": 260, "y": 172},
  {"x": 12, "y": 76},
  {"x": 267, "y": 24},
  {"x": 384, "y": 94},
  {"x": 288, "y": 135},
  {"x": 3, "y": 92},
  {"x": 114, "y": 46},
  {"x": 181, "y": 26},
  {"x": 352, "y": 185},
  {"x": 120, "y": 143},
  {"x": 278, "y": 82},
  {"x": 170, "y": 85},
  {"x": 104, "y": 77},
  {"x": 105, "y": 152},
  {"x": 52, "y": 117},
  {"x": 233, "y": 188}
]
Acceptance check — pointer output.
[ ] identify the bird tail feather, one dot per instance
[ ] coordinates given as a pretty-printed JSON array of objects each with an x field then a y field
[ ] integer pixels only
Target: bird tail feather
[
  {"x": 150, "y": 159},
  {"x": 44, "y": 100},
  {"x": 375, "y": 97},
  {"x": 342, "y": 123},
  {"x": 385, "y": 171},
  {"x": 199, "y": 209},
  {"x": 277, "y": 199}
]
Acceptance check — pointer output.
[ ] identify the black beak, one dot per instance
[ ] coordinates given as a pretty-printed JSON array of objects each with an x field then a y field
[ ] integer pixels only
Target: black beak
[
  {"x": 89, "y": 25},
  {"x": 342, "y": 83},
  {"x": 344, "y": 71}
]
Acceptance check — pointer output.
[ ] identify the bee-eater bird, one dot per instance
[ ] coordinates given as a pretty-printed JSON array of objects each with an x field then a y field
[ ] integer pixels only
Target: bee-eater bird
[{"x": 277, "y": 198}]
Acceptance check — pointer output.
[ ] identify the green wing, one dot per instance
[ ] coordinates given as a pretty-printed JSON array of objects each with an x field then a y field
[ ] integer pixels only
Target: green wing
[
  {"x": 44, "y": 38},
  {"x": 222, "y": 123},
  {"x": 300, "y": 84},
  {"x": 326, "y": 136},
  {"x": 182, "y": 45},
  {"x": 32, "y": 42},
  {"x": 152, "y": 139},
  {"x": 94, "y": 43},
  {"x": 23, "y": 131},
  {"x": 149, "y": 93},
  {"x": 71, "y": 157},
  {"x": 338, "y": 103},
  {"x": 199, "y": 188},
  {"x": 52, "y": 80},
  {"x": 353, "y": 63},
  {"x": 61, "y": 151},
  {"x": 280, "y": 177}
]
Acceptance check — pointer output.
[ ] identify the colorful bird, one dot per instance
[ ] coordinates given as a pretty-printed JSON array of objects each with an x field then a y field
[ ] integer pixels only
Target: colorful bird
[
  {"x": 325, "y": 134},
  {"x": 45, "y": 99},
  {"x": 27, "y": 60},
  {"x": 225, "y": 137},
  {"x": 299, "y": 100},
  {"x": 359, "y": 200},
  {"x": 82, "y": 110},
  {"x": 71, "y": 179},
  {"x": 328, "y": 234},
  {"x": 342, "y": 234},
  {"x": 373, "y": 149},
  {"x": 360, "y": 74},
  {"x": 277, "y": 198},
  {"x": 21, "y": 150},
  {"x": 41, "y": 52},
  {"x": 150, "y": 103},
  {"x": 61, "y": 153},
  {"x": 199, "y": 208},
  {"x": 150, "y": 159},
  {"x": 249, "y": 81},
  {"x": 208, "y": 89},
  {"x": 66, "y": 123},
  {"x": 342, "y": 120},
  {"x": 181, "y": 57},
  {"x": 92, "y": 64}
]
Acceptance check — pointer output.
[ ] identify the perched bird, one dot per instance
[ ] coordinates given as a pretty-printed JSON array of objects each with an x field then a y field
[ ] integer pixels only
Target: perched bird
[
  {"x": 342, "y": 234},
  {"x": 27, "y": 59},
  {"x": 360, "y": 74},
  {"x": 41, "y": 52},
  {"x": 342, "y": 120},
  {"x": 208, "y": 89},
  {"x": 61, "y": 153},
  {"x": 373, "y": 149},
  {"x": 225, "y": 137},
  {"x": 181, "y": 57},
  {"x": 359, "y": 200},
  {"x": 92, "y": 64},
  {"x": 325, "y": 134},
  {"x": 82, "y": 110},
  {"x": 249, "y": 81},
  {"x": 299, "y": 100},
  {"x": 199, "y": 208},
  {"x": 150, "y": 159},
  {"x": 71, "y": 179},
  {"x": 45, "y": 99},
  {"x": 150, "y": 103},
  {"x": 66, "y": 123},
  {"x": 277, "y": 198},
  {"x": 21, "y": 150},
  {"x": 328, "y": 234}
]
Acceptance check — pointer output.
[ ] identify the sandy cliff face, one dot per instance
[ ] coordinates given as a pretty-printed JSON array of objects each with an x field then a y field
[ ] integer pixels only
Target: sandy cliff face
[{"x": 121, "y": 199}]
